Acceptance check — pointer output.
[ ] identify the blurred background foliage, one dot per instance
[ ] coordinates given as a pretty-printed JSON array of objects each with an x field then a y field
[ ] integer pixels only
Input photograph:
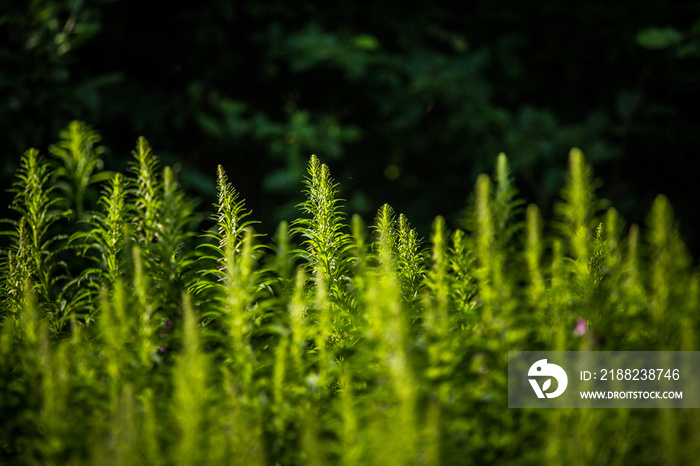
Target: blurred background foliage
[{"x": 407, "y": 101}]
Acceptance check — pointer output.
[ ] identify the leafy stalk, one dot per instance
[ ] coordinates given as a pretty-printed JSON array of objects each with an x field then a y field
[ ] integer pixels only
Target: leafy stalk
[
  {"x": 79, "y": 152},
  {"x": 148, "y": 189},
  {"x": 35, "y": 246},
  {"x": 325, "y": 241}
]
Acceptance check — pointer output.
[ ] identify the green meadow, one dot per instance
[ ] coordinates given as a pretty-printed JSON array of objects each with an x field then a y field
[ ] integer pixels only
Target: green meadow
[{"x": 140, "y": 327}]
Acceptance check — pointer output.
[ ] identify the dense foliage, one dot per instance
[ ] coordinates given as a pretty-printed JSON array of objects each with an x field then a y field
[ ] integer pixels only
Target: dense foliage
[
  {"x": 382, "y": 90},
  {"x": 136, "y": 331}
]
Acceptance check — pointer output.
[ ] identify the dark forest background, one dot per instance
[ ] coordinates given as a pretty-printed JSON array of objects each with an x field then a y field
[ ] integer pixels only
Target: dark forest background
[{"x": 406, "y": 101}]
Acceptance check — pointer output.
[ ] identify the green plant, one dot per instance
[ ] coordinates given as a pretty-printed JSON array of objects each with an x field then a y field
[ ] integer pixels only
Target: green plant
[{"x": 138, "y": 337}]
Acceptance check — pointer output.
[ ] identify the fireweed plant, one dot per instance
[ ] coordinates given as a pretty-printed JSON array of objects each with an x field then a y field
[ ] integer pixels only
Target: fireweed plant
[{"x": 130, "y": 334}]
